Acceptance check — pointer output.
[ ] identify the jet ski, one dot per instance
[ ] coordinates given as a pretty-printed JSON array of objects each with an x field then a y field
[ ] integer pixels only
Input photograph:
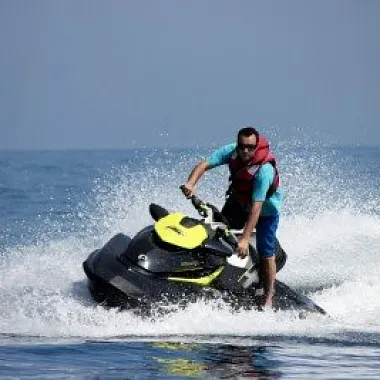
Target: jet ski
[{"x": 179, "y": 259}]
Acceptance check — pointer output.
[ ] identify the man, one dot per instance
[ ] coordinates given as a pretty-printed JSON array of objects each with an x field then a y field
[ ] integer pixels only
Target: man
[{"x": 254, "y": 198}]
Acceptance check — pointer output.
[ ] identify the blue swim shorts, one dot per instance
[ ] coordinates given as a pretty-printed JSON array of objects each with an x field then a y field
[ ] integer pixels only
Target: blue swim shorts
[{"x": 266, "y": 235}]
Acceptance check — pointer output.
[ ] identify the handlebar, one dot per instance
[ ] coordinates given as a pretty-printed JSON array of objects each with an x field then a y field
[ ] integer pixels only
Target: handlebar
[
  {"x": 198, "y": 204},
  {"x": 203, "y": 210},
  {"x": 227, "y": 236},
  {"x": 203, "y": 207}
]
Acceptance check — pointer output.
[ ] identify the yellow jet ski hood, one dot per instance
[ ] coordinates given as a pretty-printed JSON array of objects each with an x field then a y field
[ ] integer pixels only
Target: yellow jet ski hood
[{"x": 181, "y": 231}]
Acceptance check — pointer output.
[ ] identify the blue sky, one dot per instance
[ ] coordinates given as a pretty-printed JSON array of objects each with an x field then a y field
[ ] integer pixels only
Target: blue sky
[{"x": 119, "y": 74}]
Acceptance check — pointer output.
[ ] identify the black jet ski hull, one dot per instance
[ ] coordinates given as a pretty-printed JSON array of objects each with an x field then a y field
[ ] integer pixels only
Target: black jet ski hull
[
  {"x": 113, "y": 282},
  {"x": 129, "y": 286}
]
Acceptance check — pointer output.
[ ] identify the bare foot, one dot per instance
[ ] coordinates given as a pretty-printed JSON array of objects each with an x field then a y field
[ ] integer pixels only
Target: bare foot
[{"x": 267, "y": 303}]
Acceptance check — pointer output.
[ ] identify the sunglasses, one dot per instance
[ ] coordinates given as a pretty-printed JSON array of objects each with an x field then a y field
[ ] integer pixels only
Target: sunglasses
[{"x": 249, "y": 147}]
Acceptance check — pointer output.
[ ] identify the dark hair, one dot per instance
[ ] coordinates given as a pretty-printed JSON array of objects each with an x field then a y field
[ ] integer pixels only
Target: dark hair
[{"x": 247, "y": 131}]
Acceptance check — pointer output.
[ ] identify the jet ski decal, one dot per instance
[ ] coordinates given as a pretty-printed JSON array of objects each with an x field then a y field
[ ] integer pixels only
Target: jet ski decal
[
  {"x": 204, "y": 281},
  {"x": 170, "y": 230}
]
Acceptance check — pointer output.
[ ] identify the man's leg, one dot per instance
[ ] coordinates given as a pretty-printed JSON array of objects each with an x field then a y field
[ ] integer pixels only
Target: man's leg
[{"x": 266, "y": 247}]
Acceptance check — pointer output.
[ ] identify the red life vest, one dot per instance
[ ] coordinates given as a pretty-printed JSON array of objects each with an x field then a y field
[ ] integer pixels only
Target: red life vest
[{"x": 242, "y": 175}]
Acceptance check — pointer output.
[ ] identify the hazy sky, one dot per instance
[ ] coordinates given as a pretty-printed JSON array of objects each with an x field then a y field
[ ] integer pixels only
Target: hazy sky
[{"x": 120, "y": 74}]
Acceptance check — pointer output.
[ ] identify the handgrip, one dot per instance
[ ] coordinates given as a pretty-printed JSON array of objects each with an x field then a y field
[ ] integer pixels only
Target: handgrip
[{"x": 198, "y": 204}]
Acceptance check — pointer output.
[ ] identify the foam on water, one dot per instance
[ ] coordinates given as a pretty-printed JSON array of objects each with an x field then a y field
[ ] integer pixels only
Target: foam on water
[{"x": 332, "y": 257}]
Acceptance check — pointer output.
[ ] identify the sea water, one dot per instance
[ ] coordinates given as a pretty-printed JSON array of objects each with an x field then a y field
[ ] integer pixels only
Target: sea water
[{"x": 58, "y": 206}]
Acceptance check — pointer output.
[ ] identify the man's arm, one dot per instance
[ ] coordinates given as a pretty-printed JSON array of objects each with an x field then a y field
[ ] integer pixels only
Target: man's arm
[
  {"x": 194, "y": 176},
  {"x": 248, "y": 228},
  {"x": 219, "y": 157}
]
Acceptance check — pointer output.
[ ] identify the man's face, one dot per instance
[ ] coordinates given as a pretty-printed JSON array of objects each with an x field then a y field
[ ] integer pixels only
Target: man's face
[{"x": 246, "y": 147}]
